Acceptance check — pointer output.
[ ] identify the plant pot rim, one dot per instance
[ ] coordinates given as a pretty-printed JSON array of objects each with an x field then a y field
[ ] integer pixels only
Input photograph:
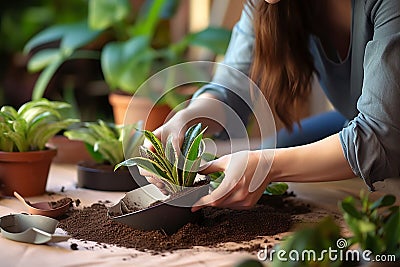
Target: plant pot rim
[
  {"x": 31, "y": 156},
  {"x": 102, "y": 177},
  {"x": 169, "y": 215}
]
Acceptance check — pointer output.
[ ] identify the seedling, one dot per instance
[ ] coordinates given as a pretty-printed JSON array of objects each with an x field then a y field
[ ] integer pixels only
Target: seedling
[{"x": 177, "y": 170}]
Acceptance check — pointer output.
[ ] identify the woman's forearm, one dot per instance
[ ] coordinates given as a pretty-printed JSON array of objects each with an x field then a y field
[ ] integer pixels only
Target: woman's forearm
[{"x": 321, "y": 161}]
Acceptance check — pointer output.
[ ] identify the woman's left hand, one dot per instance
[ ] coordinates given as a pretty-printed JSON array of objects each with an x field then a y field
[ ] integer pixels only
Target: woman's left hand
[{"x": 246, "y": 177}]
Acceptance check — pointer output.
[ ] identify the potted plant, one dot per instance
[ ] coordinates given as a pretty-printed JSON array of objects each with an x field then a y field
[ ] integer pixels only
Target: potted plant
[
  {"x": 132, "y": 46},
  {"x": 178, "y": 171},
  {"x": 24, "y": 157},
  {"x": 108, "y": 143}
]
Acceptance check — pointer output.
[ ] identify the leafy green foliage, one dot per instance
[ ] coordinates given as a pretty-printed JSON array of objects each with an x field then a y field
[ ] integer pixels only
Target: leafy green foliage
[
  {"x": 29, "y": 128},
  {"x": 316, "y": 238},
  {"x": 276, "y": 189},
  {"x": 136, "y": 50},
  {"x": 375, "y": 225},
  {"x": 177, "y": 170},
  {"x": 107, "y": 142}
]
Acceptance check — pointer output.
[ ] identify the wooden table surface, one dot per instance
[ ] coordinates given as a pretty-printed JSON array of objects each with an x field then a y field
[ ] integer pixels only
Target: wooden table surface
[{"x": 62, "y": 180}]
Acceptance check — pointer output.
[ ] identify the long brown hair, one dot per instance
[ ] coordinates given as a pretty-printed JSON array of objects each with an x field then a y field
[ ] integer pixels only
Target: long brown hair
[{"x": 282, "y": 65}]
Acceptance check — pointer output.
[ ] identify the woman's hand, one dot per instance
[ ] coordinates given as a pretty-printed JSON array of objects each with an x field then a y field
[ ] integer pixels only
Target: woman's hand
[{"x": 246, "y": 177}]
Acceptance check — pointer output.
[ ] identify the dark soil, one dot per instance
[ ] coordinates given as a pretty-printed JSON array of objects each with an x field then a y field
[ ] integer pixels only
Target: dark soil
[
  {"x": 60, "y": 202},
  {"x": 271, "y": 216}
]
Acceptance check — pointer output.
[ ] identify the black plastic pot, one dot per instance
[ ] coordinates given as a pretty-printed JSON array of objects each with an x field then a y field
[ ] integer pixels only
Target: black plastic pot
[
  {"x": 103, "y": 177},
  {"x": 167, "y": 215}
]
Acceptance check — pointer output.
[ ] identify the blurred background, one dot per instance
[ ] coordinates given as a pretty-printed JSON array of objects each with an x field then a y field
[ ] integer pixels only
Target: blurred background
[{"x": 80, "y": 80}]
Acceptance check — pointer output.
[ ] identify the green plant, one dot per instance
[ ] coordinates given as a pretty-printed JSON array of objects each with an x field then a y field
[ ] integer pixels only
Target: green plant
[
  {"x": 313, "y": 239},
  {"x": 375, "y": 225},
  {"x": 107, "y": 142},
  {"x": 29, "y": 128},
  {"x": 132, "y": 54},
  {"x": 176, "y": 170}
]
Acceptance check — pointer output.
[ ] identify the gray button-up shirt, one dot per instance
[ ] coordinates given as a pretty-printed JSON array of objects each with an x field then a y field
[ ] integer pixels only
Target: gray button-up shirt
[{"x": 364, "y": 87}]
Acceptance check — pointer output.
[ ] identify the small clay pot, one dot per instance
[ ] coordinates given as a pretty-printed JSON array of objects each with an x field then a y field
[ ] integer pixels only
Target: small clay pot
[
  {"x": 146, "y": 208},
  {"x": 127, "y": 109},
  {"x": 25, "y": 172},
  {"x": 69, "y": 151},
  {"x": 103, "y": 177}
]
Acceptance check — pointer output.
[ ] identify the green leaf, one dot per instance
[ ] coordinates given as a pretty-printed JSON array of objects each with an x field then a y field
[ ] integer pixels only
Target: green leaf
[
  {"x": 48, "y": 35},
  {"x": 391, "y": 230},
  {"x": 192, "y": 160},
  {"x": 195, "y": 150},
  {"x": 78, "y": 35},
  {"x": 110, "y": 149},
  {"x": 43, "y": 58},
  {"x": 276, "y": 189},
  {"x": 147, "y": 165},
  {"x": 189, "y": 137},
  {"x": 126, "y": 65},
  {"x": 172, "y": 157},
  {"x": 155, "y": 142},
  {"x": 384, "y": 201},
  {"x": 348, "y": 207},
  {"x": 81, "y": 134},
  {"x": 6, "y": 144},
  {"x": 43, "y": 136},
  {"x": 19, "y": 141},
  {"x": 212, "y": 38},
  {"x": 132, "y": 141},
  {"x": 105, "y": 13},
  {"x": 190, "y": 171},
  {"x": 148, "y": 19},
  {"x": 44, "y": 79},
  {"x": 9, "y": 113},
  {"x": 147, "y": 153}
]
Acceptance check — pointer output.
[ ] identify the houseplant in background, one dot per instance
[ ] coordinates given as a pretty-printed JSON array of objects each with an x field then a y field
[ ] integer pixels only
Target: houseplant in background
[
  {"x": 24, "y": 157},
  {"x": 108, "y": 144},
  {"x": 134, "y": 46}
]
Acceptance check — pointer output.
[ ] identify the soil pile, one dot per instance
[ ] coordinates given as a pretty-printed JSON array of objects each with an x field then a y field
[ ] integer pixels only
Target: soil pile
[{"x": 270, "y": 216}]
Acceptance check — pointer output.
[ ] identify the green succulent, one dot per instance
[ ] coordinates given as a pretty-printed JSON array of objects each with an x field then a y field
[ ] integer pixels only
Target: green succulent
[
  {"x": 177, "y": 170},
  {"x": 108, "y": 142},
  {"x": 32, "y": 125}
]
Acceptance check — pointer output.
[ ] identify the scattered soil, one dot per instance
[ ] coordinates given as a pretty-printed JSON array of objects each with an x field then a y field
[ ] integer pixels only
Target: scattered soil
[
  {"x": 60, "y": 202},
  {"x": 272, "y": 215}
]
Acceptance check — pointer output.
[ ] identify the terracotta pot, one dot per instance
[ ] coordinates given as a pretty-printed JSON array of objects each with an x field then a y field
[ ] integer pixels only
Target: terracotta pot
[
  {"x": 103, "y": 177},
  {"x": 25, "y": 172},
  {"x": 140, "y": 108},
  {"x": 68, "y": 151}
]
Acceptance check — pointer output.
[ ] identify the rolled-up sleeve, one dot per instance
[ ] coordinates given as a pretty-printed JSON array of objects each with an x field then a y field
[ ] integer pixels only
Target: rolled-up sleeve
[{"x": 371, "y": 141}]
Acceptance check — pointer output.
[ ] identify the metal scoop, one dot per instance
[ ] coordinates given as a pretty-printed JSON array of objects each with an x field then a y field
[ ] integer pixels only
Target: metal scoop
[
  {"x": 34, "y": 229},
  {"x": 44, "y": 208}
]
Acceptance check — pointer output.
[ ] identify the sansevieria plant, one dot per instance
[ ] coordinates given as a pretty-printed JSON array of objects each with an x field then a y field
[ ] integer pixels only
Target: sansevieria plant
[
  {"x": 32, "y": 125},
  {"x": 107, "y": 142},
  {"x": 177, "y": 170}
]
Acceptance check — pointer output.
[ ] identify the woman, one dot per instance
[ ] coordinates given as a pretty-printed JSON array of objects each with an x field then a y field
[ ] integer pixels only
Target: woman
[{"x": 354, "y": 47}]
